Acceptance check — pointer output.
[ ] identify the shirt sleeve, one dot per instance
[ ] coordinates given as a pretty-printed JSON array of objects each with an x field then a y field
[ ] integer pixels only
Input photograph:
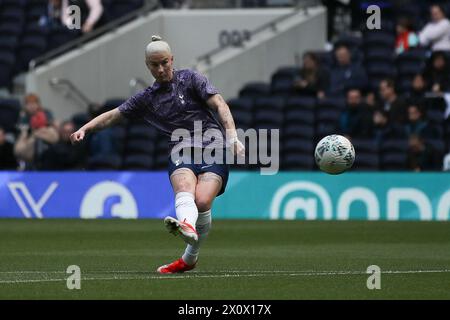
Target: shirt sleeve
[
  {"x": 202, "y": 86},
  {"x": 134, "y": 107}
]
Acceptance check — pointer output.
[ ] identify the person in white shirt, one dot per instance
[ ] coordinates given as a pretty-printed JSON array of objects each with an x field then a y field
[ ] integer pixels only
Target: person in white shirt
[
  {"x": 437, "y": 32},
  {"x": 91, "y": 12}
]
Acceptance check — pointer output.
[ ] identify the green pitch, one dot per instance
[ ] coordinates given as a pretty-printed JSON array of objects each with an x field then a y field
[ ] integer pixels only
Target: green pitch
[{"x": 240, "y": 260}]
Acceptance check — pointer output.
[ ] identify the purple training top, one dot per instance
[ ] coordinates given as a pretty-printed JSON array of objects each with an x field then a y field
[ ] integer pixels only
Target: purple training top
[{"x": 177, "y": 105}]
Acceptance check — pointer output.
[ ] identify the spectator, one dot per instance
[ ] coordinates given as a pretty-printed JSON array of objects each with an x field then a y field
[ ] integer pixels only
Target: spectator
[
  {"x": 32, "y": 106},
  {"x": 382, "y": 128},
  {"x": 406, "y": 37},
  {"x": 417, "y": 124},
  {"x": 91, "y": 13},
  {"x": 62, "y": 155},
  {"x": 53, "y": 18},
  {"x": 418, "y": 88},
  {"x": 346, "y": 74},
  {"x": 34, "y": 140},
  {"x": 437, "y": 32},
  {"x": 437, "y": 73},
  {"x": 420, "y": 155},
  {"x": 391, "y": 102},
  {"x": 356, "y": 119},
  {"x": 7, "y": 159},
  {"x": 313, "y": 79}
]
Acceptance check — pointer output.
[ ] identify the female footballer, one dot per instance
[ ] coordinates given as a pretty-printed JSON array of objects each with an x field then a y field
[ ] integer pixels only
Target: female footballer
[{"x": 176, "y": 100}]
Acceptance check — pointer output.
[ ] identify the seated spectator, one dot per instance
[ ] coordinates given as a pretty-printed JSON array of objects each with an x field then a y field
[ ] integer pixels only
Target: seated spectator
[
  {"x": 32, "y": 105},
  {"x": 346, "y": 74},
  {"x": 63, "y": 155},
  {"x": 91, "y": 13},
  {"x": 391, "y": 102},
  {"x": 417, "y": 124},
  {"x": 313, "y": 79},
  {"x": 356, "y": 120},
  {"x": 382, "y": 128},
  {"x": 437, "y": 73},
  {"x": 33, "y": 141},
  {"x": 406, "y": 37},
  {"x": 418, "y": 88},
  {"x": 7, "y": 158},
  {"x": 420, "y": 155},
  {"x": 437, "y": 32},
  {"x": 53, "y": 18}
]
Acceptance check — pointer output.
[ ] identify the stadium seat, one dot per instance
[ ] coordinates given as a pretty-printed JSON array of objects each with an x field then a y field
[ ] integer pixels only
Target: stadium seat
[
  {"x": 337, "y": 103},
  {"x": 394, "y": 145},
  {"x": 363, "y": 145},
  {"x": 381, "y": 54},
  {"x": 243, "y": 119},
  {"x": 298, "y": 131},
  {"x": 161, "y": 161},
  {"x": 11, "y": 29},
  {"x": 8, "y": 43},
  {"x": 394, "y": 161},
  {"x": 377, "y": 39},
  {"x": 265, "y": 118},
  {"x": 30, "y": 47},
  {"x": 60, "y": 36},
  {"x": 298, "y": 145},
  {"x": 7, "y": 60},
  {"x": 104, "y": 162},
  {"x": 366, "y": 161},
  {"x": 138, "y": 162},
  {"x": 119, "y": 8},
  {"x": 254, "y": 90},
  {"x": 297, "y": 161},
  {"x": 141, "y": 131},
  {"x": 9, "y": 114},
  {"x": 300, "y": 102},
  {"x": 140, "y": 146},
  {"x": 299, "y": 117},
  {"x": 282, "y": 86}
]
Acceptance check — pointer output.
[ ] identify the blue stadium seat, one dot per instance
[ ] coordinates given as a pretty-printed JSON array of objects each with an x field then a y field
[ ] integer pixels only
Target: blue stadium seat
[
  {"x": 365, "y": 145},
  {"x": 11, "y": 29},
  {"x": 241, "y": 104},
  {"x": 104, "y": 162},
  {"x": 337, "y": 103},
  {"x": 121, "y": 7},
  {"x": 255, "y": 90},
  {"x": 30, "y": 47},
  {"x": 366, "y": 161},
  {"x": 298, "y": 131},
  {"x": 142, "y": 131},
  {"x": 378, "y": 39},
  {"x": 140, "y": 146},
  {"x": 265, "y": 118},
  {"x": 394, "y": 161},
  {"x": 269, "y": 103},
  {"x": 300, "y": 102},
  {"x": 298, "y": 145},
  {"x": 300, "y": 116},
  {"x": 394, "y": 145},
  {"x": 297, "y": 161},
  {"x": 8, "y": 43},
  {"x": 7, "y": 61},
  {"x": 9, "y": 113},
  {"x": 138, "y": 162}
]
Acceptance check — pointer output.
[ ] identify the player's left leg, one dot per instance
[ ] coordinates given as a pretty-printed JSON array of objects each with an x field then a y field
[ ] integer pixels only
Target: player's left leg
[{"x": 209, "y": 185}]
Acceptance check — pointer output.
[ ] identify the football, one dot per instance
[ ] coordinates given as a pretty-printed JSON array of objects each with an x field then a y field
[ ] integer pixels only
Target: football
[{"x": 334, "y": 154}]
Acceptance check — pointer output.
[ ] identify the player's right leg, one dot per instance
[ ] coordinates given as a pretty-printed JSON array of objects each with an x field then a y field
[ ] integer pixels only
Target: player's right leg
[{"x": 183, "y": 181}]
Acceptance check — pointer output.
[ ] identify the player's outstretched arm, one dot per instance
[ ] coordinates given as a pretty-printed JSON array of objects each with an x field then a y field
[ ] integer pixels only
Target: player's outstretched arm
[
  {"x": 217, "y": 103},
  {"x": 100, "y": 122}
]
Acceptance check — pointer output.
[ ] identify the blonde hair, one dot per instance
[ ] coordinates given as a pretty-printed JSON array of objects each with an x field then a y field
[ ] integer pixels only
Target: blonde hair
[{"x": 157, "y": 45}]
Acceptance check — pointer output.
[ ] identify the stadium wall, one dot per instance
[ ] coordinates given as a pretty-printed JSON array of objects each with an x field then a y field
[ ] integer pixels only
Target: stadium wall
[
  {"x": 267, "y": 51},
  {"x": 293, "y": 195},
  {"x": 103, "y": 68}
]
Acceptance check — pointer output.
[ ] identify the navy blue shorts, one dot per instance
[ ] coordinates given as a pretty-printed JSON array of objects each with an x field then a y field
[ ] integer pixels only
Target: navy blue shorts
[{"x": 220, "y": 169}]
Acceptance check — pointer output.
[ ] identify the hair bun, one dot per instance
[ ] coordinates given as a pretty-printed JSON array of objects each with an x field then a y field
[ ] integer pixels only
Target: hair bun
[{"x": 156, "y": 38}]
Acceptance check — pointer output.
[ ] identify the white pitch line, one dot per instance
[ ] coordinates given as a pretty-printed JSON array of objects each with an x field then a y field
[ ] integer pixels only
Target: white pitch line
[{"x": 228, "y": 274}]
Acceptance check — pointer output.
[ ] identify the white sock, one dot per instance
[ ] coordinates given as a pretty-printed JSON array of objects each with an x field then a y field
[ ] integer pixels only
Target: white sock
[
  {"x": 190, "y": 255},
  {"x": 185, "y": 208}
]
